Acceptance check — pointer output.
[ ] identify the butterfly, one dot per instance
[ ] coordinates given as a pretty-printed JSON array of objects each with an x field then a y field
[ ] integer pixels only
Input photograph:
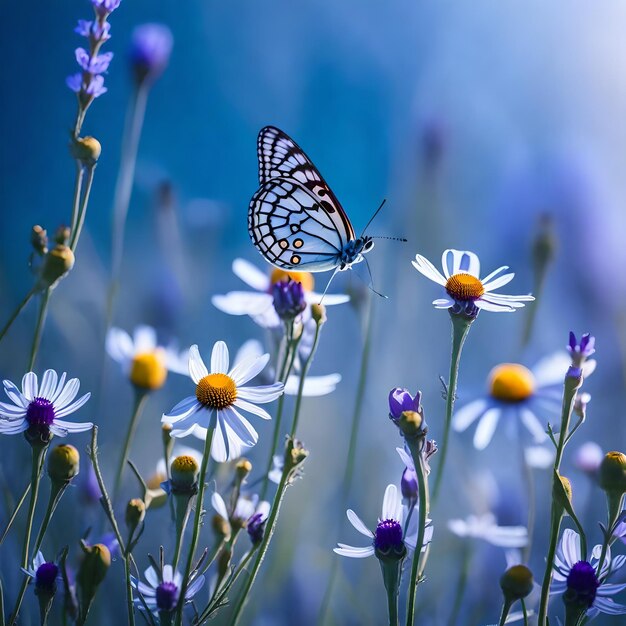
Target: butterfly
[{"x": 294, "y": 220}]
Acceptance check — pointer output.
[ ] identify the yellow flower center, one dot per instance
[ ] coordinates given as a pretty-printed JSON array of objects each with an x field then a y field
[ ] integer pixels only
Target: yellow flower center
[
  {"x": 464, "y": 287},
  {"x": 216, "y": 391},
  {"x": 511, "y": 382},
  {"x": 148, "y": 370},
  {"x": 306, "y": 278},
  {"x": 185, "y": 464}
]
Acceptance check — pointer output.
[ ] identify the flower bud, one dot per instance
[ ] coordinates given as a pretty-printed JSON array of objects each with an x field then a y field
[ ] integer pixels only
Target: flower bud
[
  {"x": 46, "y": 578},
  {"x": 318, "y": 313},
  {"x": 288, "y": 298},
  {"x": 56, "y": 264},
  {"x": 516, "y": 583},
  {"x": 408, "y": 484},
  {"x": 295, "y": 453},
  {"x": 410, "y": 424},
  {"x": 135, "y": 513},
  {"x": 612, "y": 473},
  {"x": 87, "y": 150},
  {"x": 562, "y": 492},
  {"x": 242, "y": 469},
  {"x": 184, "y": 472},
  {"x": 256, "y": 528},
  {"x": 221, "y": 527},
  {"x": 150, "y": 51},
  {"x": 63, "y": 463},
  {"x": 39, "y": 239},
  {"x": 148, "y": 371},
  {"x": 62, "y": 235},
  {"x": 92, "y": 571}
]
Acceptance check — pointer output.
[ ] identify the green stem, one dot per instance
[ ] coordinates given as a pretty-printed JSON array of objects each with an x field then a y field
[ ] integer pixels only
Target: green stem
[
  {"x": 391, "y": 578},
  {"x": 527, "y": 472},
  {"x": 183, "y": 509},
  {"x": 80, "y": 219},
  {"x": 129, "y": 592},
  {"x": 17, "y": 311},
  {"x": 460, "y": 589},
  {"x": 141, "y": 397},
  {"x": 506, "y": 607},
  {"x": 524, "y": 611},
  {"x": 41, "y": 319},
  {"x": 197, "y": 519},
  {"x": 16, "y": 510},
  {"x": 351, "y": 456},
  {"x": 303, "y": 375},
  {"x": 1, "y": 604},
  {"x": 460, "y": 327},
  {"x": 78, "y": 185},
  {"x": 39, "y": 454},
  {"x": 547, "y": 576},
  {"x": 417, "y": 567},
  {"x": 267, "y": 536},
  {"x": 56, "y": 493}
]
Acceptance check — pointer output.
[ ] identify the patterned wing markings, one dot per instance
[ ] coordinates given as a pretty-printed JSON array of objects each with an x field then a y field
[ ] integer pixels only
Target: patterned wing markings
[
  {"x": 291, "y": 229},
  {"x": 281, "y": 157}
]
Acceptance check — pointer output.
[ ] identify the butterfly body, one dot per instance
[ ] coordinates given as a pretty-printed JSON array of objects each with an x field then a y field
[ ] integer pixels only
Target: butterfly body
[{"x": 294, "y": 219}]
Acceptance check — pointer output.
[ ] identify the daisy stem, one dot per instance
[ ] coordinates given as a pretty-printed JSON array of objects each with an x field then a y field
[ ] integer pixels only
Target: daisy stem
[
  {"x": 39, "y": 455},
  {"x": 391, "y": 577},
  {"x": 524, "y": 611},
  {"x": 141, "y": 396},
  {"x": 16, "y": 313},
  {"x": 41, "y": 319},
  {"x": 460, "y": 327},
  {"x": 56, "y": 493},
  {"x": 418, "y": 568},
  {"x": 197, "y": 520},
  {"x": 267, "y": 536},
  {"x": 129, "y": 591},
  {"x": 183, "y": 509},
  {"x": 78, "y": 185},
  {"x": 16, "y": 510},
  {"x": 529, "y": 481},
  {"x": 506, "y": 607},
  {"x": 303, "y": 374},
  {"x": 547, "y": 576},
  {"x": 80, "y": 217}
]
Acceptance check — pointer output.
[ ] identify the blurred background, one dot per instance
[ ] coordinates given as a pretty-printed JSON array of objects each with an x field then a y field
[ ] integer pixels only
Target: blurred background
[{"x": 474, "y": 121}]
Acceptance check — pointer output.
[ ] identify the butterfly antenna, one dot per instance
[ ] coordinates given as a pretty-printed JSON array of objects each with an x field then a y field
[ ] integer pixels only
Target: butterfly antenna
[
  {"x": 382, "y": 204},
  {"x": 369, "y": 271},
  {"x": 328, "y": 284},
  {"x": 403, "y": 239}
]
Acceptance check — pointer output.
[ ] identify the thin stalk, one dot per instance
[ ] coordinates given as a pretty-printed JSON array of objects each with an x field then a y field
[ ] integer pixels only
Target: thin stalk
[
  {"x": 303, "y": 375},
  {"x": 41, "y": 320},
  {"x": 391, "y": 578},
  {"x": 16, "y": 510},
  {"x": 183, "y": 509},
  {"x": 16, "y": 313},
  {"x": 1, "y": 604},
  {"x": 78, "y": 185},
  {"x": 547, "y": 576},
  {"x": 506, "y": 607},
  {"x": 56, "y": 493},
  {"x": 524, "y": 611},
  {"x": 141, "y": 397},
  {"x": 461, "y": 585},
  {"x": 267, "y": 536},
  {"x": 529, "y": 481},
  {"x": 351, "y": 456},
  {"x": 460, "y": 327},
  {"x": 80, "y": 218},
  {"x": 196, "y": 522},
  {"x": 39, "y": 454},
  {"x": 129, "y": 592}
]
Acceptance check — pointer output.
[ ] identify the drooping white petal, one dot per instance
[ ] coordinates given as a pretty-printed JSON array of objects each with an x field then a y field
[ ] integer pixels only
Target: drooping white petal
[
  {"x": 261, "y": 394},
  {"x": 14, "y": 394},
  {"x": 219, "y": 505},
  {"x": 219, "y": 358},
  {"x": 119, "y": 345},
  {"x": 13, "y": 427},
  {"x": 145, "y": 339},
  {"x": 426, "y": 268},
  {"x": 610, "y": 589},
  {"x": 443, "y": 303},
  {"x": 29, "y": 386},
  {"x": 498, "y": 282},
  {"x": 608, "y": 606},
  {"x": 182, "y": 409},
  {"x": 243, "y": 303},
  {"x": 468, "y": 414},
  {"x": 67, "y": 395},
  {"x": 358, "y": 524},
  {"x": 197, "y": 368},
  {"x": 241, "y": 427},
  {"x": 407, "y": 459},
  {"x": 481, "y": 303},
  {"x": 48, "y": 386},
  {"x": 73, "y": 427},
  {"x": 251, "y": 275},
  {"x": 71, "y": 408},
  {"x": 352, "y": 552},
  {"x": 486, "y": 428},
  {"x": 314, "y": 386},
  {"x": 493, "y": 274},
  {"x": 247, "y": 370},
  {"x": 10, "y": 411},
  {"x": 252, "y": 408}
]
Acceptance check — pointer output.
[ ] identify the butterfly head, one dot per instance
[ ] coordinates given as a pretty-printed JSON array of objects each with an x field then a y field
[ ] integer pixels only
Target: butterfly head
[{"x": 354, "y": 250}]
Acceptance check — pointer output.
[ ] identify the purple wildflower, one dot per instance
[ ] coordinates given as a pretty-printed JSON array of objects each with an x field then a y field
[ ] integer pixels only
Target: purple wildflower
[
  {"x": 150, "y": 50},
  {"x": 97, "y": 64},
  {"x": 400, "y": 400},
  {"x": 99, "y": 33},
  {"x": 104, "y": 8},
  {"x": 289, "y": 299},
  {"x": 46, "y": 578},
  {"x": 580, "y": 352}
]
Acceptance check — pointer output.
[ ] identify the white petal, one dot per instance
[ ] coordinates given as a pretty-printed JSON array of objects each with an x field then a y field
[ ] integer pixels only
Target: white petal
[
  {"x": 71, "y": 408},
  {"x": 194, "y": 587},
  {"x": 219, "y": 358},
  {"x": 13, "y": 427},
  {"x": 610, "y": 589},
  {"x": 73, "y": 427},
  {"x": 48, "y": 386},
  {"x": 534, "y": 426},
  {"x": 426, "y": 268},
  {"x": 468, "y": 414},
  {"x": 243, "y": 303},
  {"x": 168, "y": 574},
  {"x": 486, "y": 428},
  {"x": 358, "y": 524},
  {"x": 119, "y": 345},
  {"x": 407, "y": 459},
  {"x": 498, "y": 282},
  {"x": 10, "y": 411},
  {"x": 262, "y": 394},
  {"x": 184, "y": 424},
  {"x": 252, "y": 408},
  {"x": 354, "y": 553},
  {"x": 608, "y": 606},
  {"x": 443, "y": 303},
  {"x": 493, "y": 274},
  {"x": 29, "y": 386},
  {"x": 249, "y": 349},
  {"x": 314, "y": 386},
  {"x": 145, "y": 339},
  {"x": 251, "y": 275},
  {"x": 551, "y": 369},
  {"x": 481, "y": 303},
  {"x": 197, "y": 368},
  {"x": 456, "y": 261},
  {"x": 508, "y": 536},
  {"x": 182, "y": 409},
  {"x": 59, "y": 389},
  {"x": 241, "y": 427},
  {"x": 151, "y": 576},
  {"x": 219, "y": 505},
  {"x": 247, "y": 370},
  {"x": 14, "y": 394},
  {"x": 392, "y": 504},
  {"x": 570, "y": 547},
  {"x": 330, "y": 299},
  {"x": 68, "y": 394},
  {"x": 269, "y": 318}
]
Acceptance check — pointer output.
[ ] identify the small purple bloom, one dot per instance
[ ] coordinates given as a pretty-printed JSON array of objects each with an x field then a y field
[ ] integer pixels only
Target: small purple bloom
[
  {"x": 401, "y": 400},
  {"x": 46, "y": 578},
  {"x": 580, "y": 352},
  {"x": 105, "y": 7},
  {"x": 74, "y": 82},
  {"x": 89, "y": 29},
  {"x": 256, "y": 528},
  {"x": 96, "y": 87},
  {"x": 150, "y": 50},
  {"x": 388, "y": 536},
  {"x": 289, "y": 299},
  {"x": 582, "y": 585},
  {"x": 93, "y": 65},
  {"x": 110, "y": 541},
  {"x": 166, "y": 596}
]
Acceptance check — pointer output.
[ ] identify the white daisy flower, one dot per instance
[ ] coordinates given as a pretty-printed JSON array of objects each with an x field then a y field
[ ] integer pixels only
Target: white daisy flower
[
  {"x": 245, "y": 508},
  {"x": 39, "y": 408},
  {"x": 162, "y": 592},
  {"x": 220, "y": 395},
  {"x": 143, "y": 360},
  {"x": 517, "y": 393},
  {"x": 46, "y": 574},
  {"x": 485, "y": 527},
  {"x": 392, "y": 531},
  {"x": 581, "y": 579},
  {"x": 463, "y": 285},
  {"x": 259, "y": 304}
]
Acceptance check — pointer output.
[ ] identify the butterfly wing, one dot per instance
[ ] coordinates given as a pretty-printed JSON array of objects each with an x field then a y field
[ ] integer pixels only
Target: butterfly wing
[{"x": 281, "y": 159}]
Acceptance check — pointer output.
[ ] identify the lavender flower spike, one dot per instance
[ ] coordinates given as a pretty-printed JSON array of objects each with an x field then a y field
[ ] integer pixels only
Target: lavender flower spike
[
  {"x": 150, "y": 51},
  {"x": 104, "y": 8},
  {"x": 580, "y": 352}
]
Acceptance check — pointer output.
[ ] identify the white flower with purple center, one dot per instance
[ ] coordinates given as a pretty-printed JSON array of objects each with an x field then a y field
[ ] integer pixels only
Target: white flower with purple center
[
  {"x": 518, "y": 394},
  {"x": 259, "y": 304},
  {"x": 46, "y": 575},
  {"x": 220, "y": 396},
  {"x": 248, "y": 511},
  {"x": 162, "y": 593},
  {"x": 38, "y": 409},
  {"x": 582, "y": 581},
  {"x": 396, "y": 529},
  {"x": 486, "y": 528},
  {"x": 463, "y": 285}
]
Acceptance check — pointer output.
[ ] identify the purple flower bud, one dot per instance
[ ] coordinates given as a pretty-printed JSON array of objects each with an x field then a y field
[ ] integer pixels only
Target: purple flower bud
[
  {"x": 110, "y": 541},
  {"x": 408, "y": 484},
  {"x": 256, "y": 528},
  {"x": 582, "y": 585},
  {"x": 46, "y": 578},
  {"x": 388, "y": 536},
  {"x": 93, "y": 65},
  {"x": 580, "y": 352},
  {"x": 150, "y": 50},
  {"x": 104, "y": 8},
  {"x": 401, "y": 400},
  {"x": 289, "y": 299},
  {"x": 92, "y": 29},
  {"x": 588, "y": 457},
  {"x": 167, "y": 596}
]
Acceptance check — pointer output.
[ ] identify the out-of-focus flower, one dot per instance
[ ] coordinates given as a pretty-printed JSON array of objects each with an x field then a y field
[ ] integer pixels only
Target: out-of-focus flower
[
  {"x": 245, "y": 508},
  {"x": 485, "y": 527},
  {"x": 103, "y": 8},
  {"x": 288, "y": 299},
  {"x": 162, "y": 593},
  {"x": 93, "y": 64},
  {"x": 92, "y": 29},
  {"x": 516, "y": 392},
  {"x": 220, "y": 394},
  {"x": 581, "y": 581},
  {"x": 463, "y": 285},
  {"x": 258, "y": 304},
  {"x": 390, "y": 533},
  {"x": 38, "y": 409},
  {"x": 588, "y": 457},
  {"x": 46, "y": 574},
  {"x": 150, "y": 50},
  {"x": 539, "y": 457},
  {"x": 142, "y": 359},
  {"x": 581, "y": 351}
]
